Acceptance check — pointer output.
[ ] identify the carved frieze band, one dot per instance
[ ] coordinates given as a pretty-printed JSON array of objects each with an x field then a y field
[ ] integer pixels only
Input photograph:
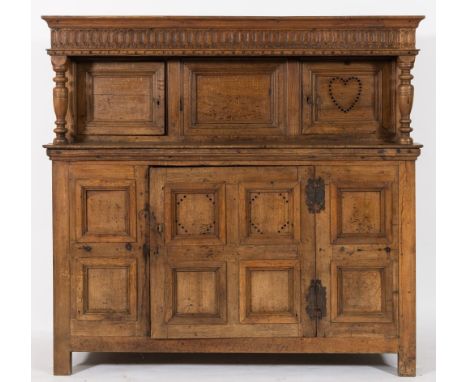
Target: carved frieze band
[{"x": 157, "y": 41}]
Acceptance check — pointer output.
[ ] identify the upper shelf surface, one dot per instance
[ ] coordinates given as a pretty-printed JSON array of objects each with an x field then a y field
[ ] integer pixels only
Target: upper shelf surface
[{"x": 290, "y": 22}]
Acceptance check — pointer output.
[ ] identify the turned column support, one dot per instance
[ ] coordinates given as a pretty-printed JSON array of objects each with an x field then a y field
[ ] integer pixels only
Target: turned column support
[
  {"x": 405, "y": 98},
  {"x": 60, "y": 93}
]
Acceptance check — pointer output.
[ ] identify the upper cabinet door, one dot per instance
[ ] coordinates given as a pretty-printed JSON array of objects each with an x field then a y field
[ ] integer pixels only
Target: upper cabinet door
[
  {"x": 120, "y": 98},
  {"x": 347, "y": 98},
  {"x": 234, "y": 98}
]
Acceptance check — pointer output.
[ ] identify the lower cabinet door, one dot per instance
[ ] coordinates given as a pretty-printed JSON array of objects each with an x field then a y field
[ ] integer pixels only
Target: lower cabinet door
[
  {"x": 107, "y": 250},
  {"x": 232, "y": 252},
  {"x": 357, "y": 250}
]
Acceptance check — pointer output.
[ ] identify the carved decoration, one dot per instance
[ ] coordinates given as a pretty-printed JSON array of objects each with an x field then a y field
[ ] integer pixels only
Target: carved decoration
[
  {"x": 344, "y": 105},
  {"x": 405, "y": 97},
  {"x": 60, "y": 93},
  {"x": 167, "y": 41},
  {"x": 260, "y": 219},
  {"x": 201, "y": 223}
]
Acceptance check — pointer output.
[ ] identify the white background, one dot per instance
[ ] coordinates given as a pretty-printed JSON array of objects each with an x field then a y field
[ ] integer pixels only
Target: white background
[{"x": 300, "y": 368}]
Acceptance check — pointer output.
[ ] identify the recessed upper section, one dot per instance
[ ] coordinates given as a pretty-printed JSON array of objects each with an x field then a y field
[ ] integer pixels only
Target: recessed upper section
[{"x": 222, "y": 36}]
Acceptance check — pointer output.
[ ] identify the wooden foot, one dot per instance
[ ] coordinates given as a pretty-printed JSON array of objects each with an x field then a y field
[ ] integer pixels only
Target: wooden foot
[
  {"x": 62, "y": 362},
  {"x": 406, "y": 364}
]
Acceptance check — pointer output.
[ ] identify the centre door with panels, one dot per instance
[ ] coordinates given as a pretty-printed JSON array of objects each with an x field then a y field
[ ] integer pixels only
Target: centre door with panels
[{"x": 230, "y": 245}]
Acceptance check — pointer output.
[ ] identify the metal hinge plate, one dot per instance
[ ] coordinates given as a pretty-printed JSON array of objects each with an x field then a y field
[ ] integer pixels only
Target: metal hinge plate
[
  {"x": 316, "y": 300},
  {"x": 315, "y": 195}
]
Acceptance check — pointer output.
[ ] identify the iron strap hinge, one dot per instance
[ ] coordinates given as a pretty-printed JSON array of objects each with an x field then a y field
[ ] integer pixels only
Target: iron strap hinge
[
  {"x": 316, "y": 300},
  {"x": 315, "y": 195}
]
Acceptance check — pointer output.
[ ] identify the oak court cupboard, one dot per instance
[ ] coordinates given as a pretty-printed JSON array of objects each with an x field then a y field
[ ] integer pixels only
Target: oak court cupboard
[{"x": 233, "y": 185}]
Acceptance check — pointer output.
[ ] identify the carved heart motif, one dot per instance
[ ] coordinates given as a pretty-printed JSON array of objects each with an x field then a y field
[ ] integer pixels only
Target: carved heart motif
[{"x": 345, "y": 92}]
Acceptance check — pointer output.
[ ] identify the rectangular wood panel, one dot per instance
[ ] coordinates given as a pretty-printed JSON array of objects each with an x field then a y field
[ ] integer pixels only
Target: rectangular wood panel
[
  {"x": 269, "y": 291},
  {"x": 195, "y": 213},
  {"x": 105, "y": 210},
  {"x": 347, "y": 98},
  {"x": 269, "y": 212},
  {"x": 361, "y": 213},
  {"x": 126, "y": 98},
  {"x": 234, "y": 98},
  {"x": 106, "y": 288},
  {"x": 197, "y": 293},
  {"x": 361, "y": 291}
]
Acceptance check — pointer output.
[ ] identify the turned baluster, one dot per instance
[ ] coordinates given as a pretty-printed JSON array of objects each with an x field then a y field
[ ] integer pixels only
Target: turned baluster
[
  {"x": 405, "y": 98},
  {"x": 60, "y": 65}
]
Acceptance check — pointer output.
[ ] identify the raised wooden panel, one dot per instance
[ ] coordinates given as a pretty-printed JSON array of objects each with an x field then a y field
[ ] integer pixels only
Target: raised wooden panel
[
  {"x": 105, "y": 210},
  {"x": 269, "y": 212},
  {"x": 106, "y": 289},
  {"x": 195, "y": 213},
  {"x": 347, "y": 98},
  {"x": 197, "y": 293},
  {"x": 361, "y": 212},
  {"x": 268, "y": 291},
  {"x": 234, "y": 98},
  {"x": 361, "y": 291},
  {"x": 125, "y": 98}
]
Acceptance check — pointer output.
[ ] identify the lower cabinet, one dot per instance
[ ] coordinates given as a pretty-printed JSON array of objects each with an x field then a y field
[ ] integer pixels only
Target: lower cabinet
[{"x": 225, "y": 252}]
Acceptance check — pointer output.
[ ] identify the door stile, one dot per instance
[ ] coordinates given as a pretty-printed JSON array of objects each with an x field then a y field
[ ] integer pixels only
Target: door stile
[
  {"x": 158, "y": 258},
  {"x": 307, "y": 252}
]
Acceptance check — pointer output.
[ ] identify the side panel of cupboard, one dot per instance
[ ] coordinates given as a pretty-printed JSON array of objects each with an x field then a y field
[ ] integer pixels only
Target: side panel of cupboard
[{"x": 108, "y": 231}]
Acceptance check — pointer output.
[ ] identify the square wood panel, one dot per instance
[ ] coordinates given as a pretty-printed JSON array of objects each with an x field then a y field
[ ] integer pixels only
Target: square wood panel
[
  {"x": 197, "y": 293},
  {"x": 269, "y": 212},
  {"x": 125, "y": 98},
  {"x": 105, "y": 210},
  {"x": 195, "y": 213},
  {"x": 361, "y": 213},
  {"x": 234, "y": 98},
  {"x": 106, "y": 288},
  {"x": 269, "y": 291},
  {"x": 346, "y": 98},
  {"x": 361, "y": 291}
]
